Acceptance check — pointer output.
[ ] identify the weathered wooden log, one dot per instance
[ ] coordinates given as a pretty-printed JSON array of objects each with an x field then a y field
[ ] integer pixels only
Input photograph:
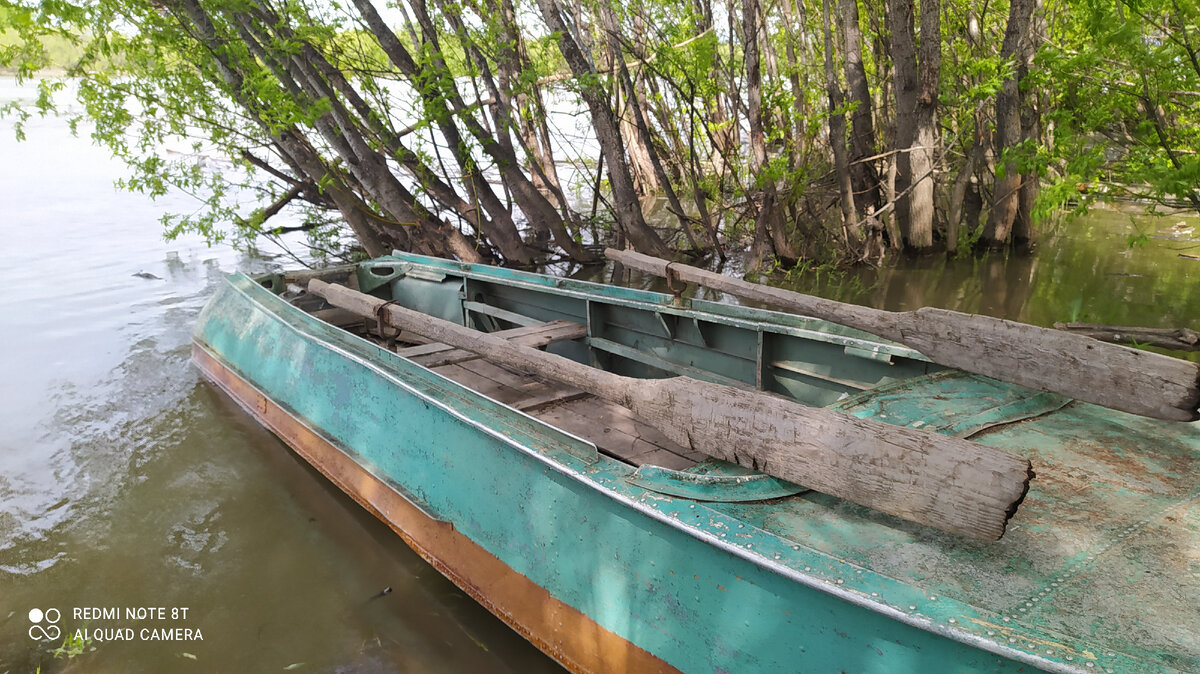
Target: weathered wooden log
[
  {"x": 1177, "y": 339},
  {"x": 948, "y": 483},
  {"x": 1140, "y": 382}
]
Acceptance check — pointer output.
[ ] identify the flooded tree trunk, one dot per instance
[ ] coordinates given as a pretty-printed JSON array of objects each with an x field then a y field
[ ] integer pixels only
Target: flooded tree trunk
[
  {"x": 863, "y": 175},
  {"x": 499, "y": 146},
  {"x": 1006, "y": 190},
  {"x": 958, "y": 195},
  {"x": 368, "y": 167},
  {"x": 642, "y": 129},
  {"x": 926, "y": 143},
  {"x": 1023, "y": 233},
  {"x": 626, "y": 206},
  {"x": 904, "y": 63},
  {"x": 837, "y": 142},
  {"x": 769, "y": 234},
  {"x": 501, "y": 225},
  {"x": 798, "y": 143},
  {"x": 916, "y": 128}
]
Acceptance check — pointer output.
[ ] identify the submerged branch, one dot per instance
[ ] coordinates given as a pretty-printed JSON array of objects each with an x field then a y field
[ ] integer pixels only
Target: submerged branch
[{"x": 1177, "y": 339}]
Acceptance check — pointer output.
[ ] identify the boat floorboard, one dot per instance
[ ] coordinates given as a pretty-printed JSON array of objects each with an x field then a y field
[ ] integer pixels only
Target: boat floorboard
[{"x": 614, "y": 429}]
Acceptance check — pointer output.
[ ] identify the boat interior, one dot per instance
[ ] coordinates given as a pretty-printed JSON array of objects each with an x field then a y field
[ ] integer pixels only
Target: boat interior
[
  {"x": 614, "y": 430},
  {"x": 620, "y": 337}
]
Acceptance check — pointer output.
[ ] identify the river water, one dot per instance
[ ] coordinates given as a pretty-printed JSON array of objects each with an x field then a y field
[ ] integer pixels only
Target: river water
[{"x": 128, "y": 482}]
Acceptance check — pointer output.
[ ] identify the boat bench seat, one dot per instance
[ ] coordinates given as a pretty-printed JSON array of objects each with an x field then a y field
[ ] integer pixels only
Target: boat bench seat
[{"x": 536, "y": 336}]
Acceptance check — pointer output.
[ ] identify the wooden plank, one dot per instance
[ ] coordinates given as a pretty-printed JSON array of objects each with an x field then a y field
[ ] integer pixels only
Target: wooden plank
[
  {"x": 431, "y": 355},
  {"x": 1140, "y": 382},
  {"x": 512, "y": 378},
  {"x": 338, "y": 317},
  {"x": 502, "y": 314},
  {"x": 611, "y": 415},
  {"x": 535, "y": 336},
  {"x": 609, "y": 427},
  {"x": 795, "y": 367},
  {"x": 548, "y": 398},
  {"x": 487, "y": 379},
  {"x": 664, "y": 459},
  {"x": 480, "y": 384},
  {"x": 948, "y": 483}
]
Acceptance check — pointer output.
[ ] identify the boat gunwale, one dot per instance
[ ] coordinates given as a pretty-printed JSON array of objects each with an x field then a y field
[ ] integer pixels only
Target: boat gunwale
[
  {"x": 780, "y": 322},
  {"x": 603, "y": 464}
]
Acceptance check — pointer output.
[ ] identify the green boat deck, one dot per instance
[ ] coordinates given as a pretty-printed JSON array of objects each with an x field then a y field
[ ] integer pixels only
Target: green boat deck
[{"x": 1099, "y": 569}]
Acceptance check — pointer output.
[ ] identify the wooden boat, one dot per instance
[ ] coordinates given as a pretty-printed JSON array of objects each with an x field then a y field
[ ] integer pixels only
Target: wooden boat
[{"x": 613, "y": 548}]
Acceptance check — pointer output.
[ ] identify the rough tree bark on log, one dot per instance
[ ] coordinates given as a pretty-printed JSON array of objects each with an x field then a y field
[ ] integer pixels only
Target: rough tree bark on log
[
  {"x": 1126, "y": 379},
  {"x": 1176, "y": 339},
  {"x": 944, "y": 482}
]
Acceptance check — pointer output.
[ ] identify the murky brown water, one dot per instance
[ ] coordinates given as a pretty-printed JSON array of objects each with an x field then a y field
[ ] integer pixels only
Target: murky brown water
[{"x": 126, "y": 481}]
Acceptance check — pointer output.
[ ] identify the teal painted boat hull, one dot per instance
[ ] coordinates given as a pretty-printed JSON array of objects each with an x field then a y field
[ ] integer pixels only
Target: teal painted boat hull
[{"x": 800, "y": 583}]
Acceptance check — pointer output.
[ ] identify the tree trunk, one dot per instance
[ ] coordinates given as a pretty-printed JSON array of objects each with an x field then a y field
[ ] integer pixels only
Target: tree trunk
[
  {"x": 1031, "y": 128},
  {"x": 769, "y": 234},
  {"x": 904, "y": 63},
  {"x": 1006, "y": 192},
  {"x": 288, "y": 141},
  {"x": 961, "y": 184},
  {"x": 798, "y": 144},
  {"x": 499, "y": 146},
  {"x": 642, "y": 128},
  {"x": 504, "y": 229},
  {"x": 924, "y": 149},
  {"x": 625, "y": 204},
  {"x": 837, "y": 142},
  {"x": 645, "y": 179},
  {"x": 532, "y": 115},
  {"x": 863, "y": 175},
  {"x": 367, "y": 165},
  {"x": 916, "y": 129}
]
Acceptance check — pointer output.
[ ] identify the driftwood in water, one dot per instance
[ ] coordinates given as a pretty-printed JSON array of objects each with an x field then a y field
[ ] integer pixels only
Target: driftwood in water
[
  {"x": 944, "y": 482},
  {"x": 1178, "y": 339},
  {"x": 1140, "y": 382}
]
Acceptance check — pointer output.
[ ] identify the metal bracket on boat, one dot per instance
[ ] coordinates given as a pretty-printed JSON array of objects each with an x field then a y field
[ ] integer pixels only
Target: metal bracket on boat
[
  {"x": 714, "y": 480},
  {"x": 381, "y": 318},
  {"x": 675, "y": 285}
]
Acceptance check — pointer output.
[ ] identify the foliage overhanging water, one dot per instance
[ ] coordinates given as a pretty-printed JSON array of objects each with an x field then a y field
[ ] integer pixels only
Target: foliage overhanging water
[{"x": 126, "y": 481}]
